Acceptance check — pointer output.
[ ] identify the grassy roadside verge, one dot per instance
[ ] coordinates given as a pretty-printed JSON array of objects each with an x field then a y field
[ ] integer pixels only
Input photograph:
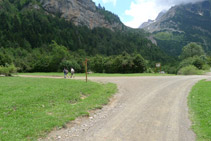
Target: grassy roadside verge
[
  {"x": 31, "y": 107},
  {"x": 199, "y": 102},
  {"x": 96, "y": 74}
]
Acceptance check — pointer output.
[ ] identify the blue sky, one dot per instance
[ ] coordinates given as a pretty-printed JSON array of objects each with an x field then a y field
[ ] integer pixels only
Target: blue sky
[
  {"x": 134, "y": 12},
  {"x": 117, "y": 7}
]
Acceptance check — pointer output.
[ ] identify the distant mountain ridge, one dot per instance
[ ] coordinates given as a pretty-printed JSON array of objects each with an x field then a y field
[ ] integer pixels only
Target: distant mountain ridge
[
  {"x": 149, "y": 22},
  {"x": 146, "y": 24},
  {"x": 183, "y": 24}
]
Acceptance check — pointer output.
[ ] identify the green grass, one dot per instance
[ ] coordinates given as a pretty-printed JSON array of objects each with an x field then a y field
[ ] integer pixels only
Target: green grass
[
  {"x": 32, "y": 107},
  {"x": 96, "y": 74},
  {"x": 199, "y": 102}
]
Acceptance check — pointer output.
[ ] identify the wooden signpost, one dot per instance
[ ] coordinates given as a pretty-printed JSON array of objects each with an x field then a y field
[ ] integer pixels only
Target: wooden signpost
[
  {"x": 86, "y": 68},
  {"x": 158, "y": 65}
]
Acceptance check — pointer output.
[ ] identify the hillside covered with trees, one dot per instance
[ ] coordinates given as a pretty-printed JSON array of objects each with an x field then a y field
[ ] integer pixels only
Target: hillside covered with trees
[
  {"x": 35, "y": 41},
  {"x": 181, "y": 25}
]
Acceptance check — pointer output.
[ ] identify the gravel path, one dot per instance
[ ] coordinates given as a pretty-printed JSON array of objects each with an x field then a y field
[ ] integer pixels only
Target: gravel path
[{"x": 144, "y": 109}]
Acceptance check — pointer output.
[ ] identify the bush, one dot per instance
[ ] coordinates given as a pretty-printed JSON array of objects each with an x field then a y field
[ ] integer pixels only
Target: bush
[
  {"x": 189, "y": 70},
  {"x": 170, "y": 69},
  {"x": 70, "y": 64},
  {"x": 97, "y": 64},
  {"x": 8, "y": 70},
  {"x": 186, "y": 62},
  {"x": 4, "y": 59},
  {"x": 191, "y": 50},
  {"x": 206, "y": 67},
  {"x": 149, "y": 70},
  {"x": 198, "y": 62}
]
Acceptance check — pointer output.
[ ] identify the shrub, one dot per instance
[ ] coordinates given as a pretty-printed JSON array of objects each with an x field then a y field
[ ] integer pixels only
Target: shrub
[
  {"x": 97, "y": 64},
  {"x": 8, "y": 70},
  {"x": 186, "y": 62},
  {"x": 70, "y": 64},
  {"x": 198, "y": 62},
  {"x": 170, "y": 69},
  {"x": 206, "y": 67},
  {"x": 3, "y": 70},
  {"x": 149, "y": 70},
  {"x": 189, "y": 70},
  {"x": 4, "y": 59},
  {"x": 191, "y": 50}
]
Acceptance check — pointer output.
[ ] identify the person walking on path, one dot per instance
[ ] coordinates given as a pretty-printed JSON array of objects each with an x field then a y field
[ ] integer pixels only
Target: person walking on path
[
  {"x": 72, "y": 72},
  {"x": 65, "y": 72}
]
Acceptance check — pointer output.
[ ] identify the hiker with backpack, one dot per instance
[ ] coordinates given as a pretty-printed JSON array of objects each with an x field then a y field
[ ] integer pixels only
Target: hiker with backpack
[
  {"x": 65, "y": 72},
  {"x": 72, "y": 72}
]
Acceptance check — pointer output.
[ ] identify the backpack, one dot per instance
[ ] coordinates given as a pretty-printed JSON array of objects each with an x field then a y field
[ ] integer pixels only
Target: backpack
[
  {"x": 72, "y": 70},
  {"x": 66, "y": 71}
]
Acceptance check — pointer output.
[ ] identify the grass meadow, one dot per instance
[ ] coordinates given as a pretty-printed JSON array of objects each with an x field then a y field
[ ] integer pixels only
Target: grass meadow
[
  {"x": 199, "y": 102},
  {"x": 32, "y": 107}
]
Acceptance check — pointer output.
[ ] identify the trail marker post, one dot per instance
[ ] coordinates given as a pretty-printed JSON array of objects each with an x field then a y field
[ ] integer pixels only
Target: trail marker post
[
  {"x": 158, "y": 65},
  {"x": 86, "y": 68}
]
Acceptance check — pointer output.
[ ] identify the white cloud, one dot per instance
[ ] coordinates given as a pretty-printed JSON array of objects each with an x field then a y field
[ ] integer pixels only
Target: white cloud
[
  {"x": 175, "y": 2},
  {"x": 142, "y": 10}
]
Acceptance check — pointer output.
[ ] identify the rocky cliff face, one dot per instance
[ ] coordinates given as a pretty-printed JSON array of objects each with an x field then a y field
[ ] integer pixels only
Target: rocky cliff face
[
  {"x": 183, "y": 15},
  {"x": 80, "y": 12},
  {"x": 150, "y": 22},
  {"x": 145, "y": 24},
  {"x": 158, "y": 24}
]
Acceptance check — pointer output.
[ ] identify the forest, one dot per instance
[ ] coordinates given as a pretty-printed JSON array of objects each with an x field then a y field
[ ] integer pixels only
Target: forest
[{"x": 33, "y": 41}]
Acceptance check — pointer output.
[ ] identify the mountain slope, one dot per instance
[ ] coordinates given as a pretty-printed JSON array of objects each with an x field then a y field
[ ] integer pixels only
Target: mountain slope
[
  {"x": 183, "y": 24},
  {"x": 149, "y": 22},
  {"x": 27, "y": 31},
  {"x": 82, "y": 12},
  {"x": 79, "y": 12}
]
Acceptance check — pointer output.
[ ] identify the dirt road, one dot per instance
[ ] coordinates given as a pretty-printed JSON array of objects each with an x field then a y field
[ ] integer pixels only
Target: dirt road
[{"x": 145, "y": 109}]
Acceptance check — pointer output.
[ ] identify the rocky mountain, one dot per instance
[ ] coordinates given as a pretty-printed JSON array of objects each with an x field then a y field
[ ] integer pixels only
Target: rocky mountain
[
  {"x": 34, "y": 37},
  {"x": 160, "y": 14},
  {"x": 183, "y": 24},
  {"x": 146, "y": 24},
  {"x": 82, "y": 12},
  {"x": 149, "y": 22}
]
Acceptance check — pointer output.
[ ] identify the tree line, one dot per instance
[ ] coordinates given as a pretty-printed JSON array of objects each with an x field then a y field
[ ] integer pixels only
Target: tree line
[
  {"x": 56, "y": 57},
  {"x": 38, "y": 42}
]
